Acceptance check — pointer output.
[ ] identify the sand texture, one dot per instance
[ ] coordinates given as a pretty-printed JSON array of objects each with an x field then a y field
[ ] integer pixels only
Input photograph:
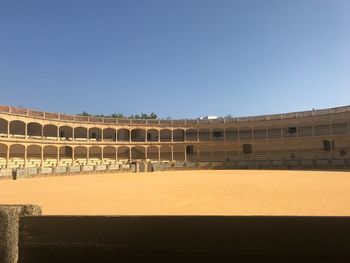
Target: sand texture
[{"x": 210, "y": 192}]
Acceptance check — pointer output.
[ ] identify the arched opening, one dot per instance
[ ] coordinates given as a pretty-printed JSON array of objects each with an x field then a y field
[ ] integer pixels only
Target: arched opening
[
  {"x": 179, "y": 135},
  {"x": 95, "y": 155},
  {"x": 66, "y": 133},
  {"x": 152, "y": 135},
  {"x": 322, "y": 127},
  {"x": 17, "y": 129},
  {"x": 3, "y": 127},
  {"x": 245, "y": 133},
  {"x": 109, "y": 154},
  {"x": 138, "y": 135},
  {"x": 153, "y": 153},
  {"x": 95, "y": 134},
  {"x": 123, "y": 153},
  {"x": 231, "y": 134},
  {"x": 66, "y": 153},
  {"x": 305, "y": 129},
  {"x": 3, "y": 155},
  {"x": 80, "y": 134},
  {"x": 50, "y": 156},
  {"x": 123, "y": 135},
  {"x": 50, "y": 132},
  {"x": 260, "y": 133},
  {"x": 204, "y": 135},
  {"x": 165, "y": 153},
  {"x": 274, "y": 132},
  {"x": 34, "y": 130},
  {"x": 80, "y": 155},
  {"x": 179, "y": 153},
  {"x": 191, "y": 135},
  {"x": 165, "y": 135},
  {"x": 138, "y": 153},
  {"x": 340, "y": 126},
  {"x": 109, "y": 134},
  {"x": 33, "y": 156},
  {"x": 218, "y": 134},
  {"x": 17, "y": 155}
]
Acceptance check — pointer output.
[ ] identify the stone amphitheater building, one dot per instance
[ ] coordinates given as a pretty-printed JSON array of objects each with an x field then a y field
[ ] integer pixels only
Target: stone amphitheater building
[{"x": 310, "y": 139}]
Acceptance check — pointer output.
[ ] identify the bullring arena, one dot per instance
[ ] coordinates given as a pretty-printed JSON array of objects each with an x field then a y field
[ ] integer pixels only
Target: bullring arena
[{"x": 235, "y": 166}]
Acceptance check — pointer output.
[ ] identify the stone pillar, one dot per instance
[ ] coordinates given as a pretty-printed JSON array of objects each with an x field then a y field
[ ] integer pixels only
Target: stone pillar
[
  {"x": 58, "y": 155},
  {"x": 42, "y": 132},
  {"x": 159, "y": 154},
  {"x": 42, "y": 156},
  {"x": 8, "y": 157},
  {"x": 172, "y": 153},
  {"x": 9, "y": 226},
  {"x": 26, "y": 130},
  {"x": 8, "y": 129},
  {"x": 58, "y": 133},
  {"x": 102, "y": 155},
  {"x": 116, "y": 154},
  {"x": 72, "y": 156},
  {"x": 185, "y": 154},
  {"x": 130, "y": 154},
  {"x": 25, "y": 156},
  {"x": 87, "y": 155},
  {"x": 146, "y": 155}
]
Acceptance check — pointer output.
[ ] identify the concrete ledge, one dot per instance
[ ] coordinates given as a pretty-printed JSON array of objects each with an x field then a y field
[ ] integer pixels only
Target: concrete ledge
[{"x": 9, "y": 222}]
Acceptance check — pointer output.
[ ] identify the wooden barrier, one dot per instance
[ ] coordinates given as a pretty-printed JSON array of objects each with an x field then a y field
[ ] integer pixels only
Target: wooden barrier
[{"x": 184, "y": 239}]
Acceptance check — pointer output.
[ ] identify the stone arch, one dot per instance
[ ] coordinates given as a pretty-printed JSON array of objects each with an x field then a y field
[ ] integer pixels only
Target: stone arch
[
  {"x": 80, "y": 133},
  {"x": 80, "y": 152},
  {"x": 3, "y": 127},
  {"x": 34, "y": 130},
  {"x": 165, "y": 135},
  {"x": 123, "y": 153},
  {"x": 34, "y": 151},
  {"x": 138, "y": 153},
  {"x": 3, "y": 151},
  {"x": 138, "y": 135},
  {"x": 66, "y": 133},
  {"x": 50, "y": 155},
  {"x": 152, "y": 135},
  {"x": 123, "y": 135},
  {"x": 95, "y": 134},
  {"x": 109, "y": 134},
  {"x": 179, "y": 153},
  {"x": 153, "y": 153},
  {"x": 178, "y": 135},
  {"x": 50, "y": 131},
  {"x": 204, "y": 134},
  {"x": 110, "y": 154},
  {"x": 165, "y": 153},
  {"x": 17, "y": 128},
  {"x": 191, "y": 135}
]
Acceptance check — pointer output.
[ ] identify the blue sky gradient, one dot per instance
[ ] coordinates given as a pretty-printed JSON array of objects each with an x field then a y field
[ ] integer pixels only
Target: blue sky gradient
[{"x": 183, "y": 58}]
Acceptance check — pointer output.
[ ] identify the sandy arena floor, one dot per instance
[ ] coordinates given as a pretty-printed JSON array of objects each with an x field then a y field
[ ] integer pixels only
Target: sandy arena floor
[{"x": 210, "y": 192}]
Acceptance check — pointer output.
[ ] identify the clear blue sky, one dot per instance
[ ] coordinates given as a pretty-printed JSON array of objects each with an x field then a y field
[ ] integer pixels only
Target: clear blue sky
[{"x": 178, "y": 58}]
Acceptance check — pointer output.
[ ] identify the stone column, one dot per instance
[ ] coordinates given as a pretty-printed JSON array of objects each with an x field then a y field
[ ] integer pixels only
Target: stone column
[
  {"x": 8, "y": 156},
  {"x": 8, "y": 129},
  {"x": 42, "y": 156},
  {"x": 25, "y": 156},
  {"x": 159, "y": 154},
  {"x": 9, "y": 226}
]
